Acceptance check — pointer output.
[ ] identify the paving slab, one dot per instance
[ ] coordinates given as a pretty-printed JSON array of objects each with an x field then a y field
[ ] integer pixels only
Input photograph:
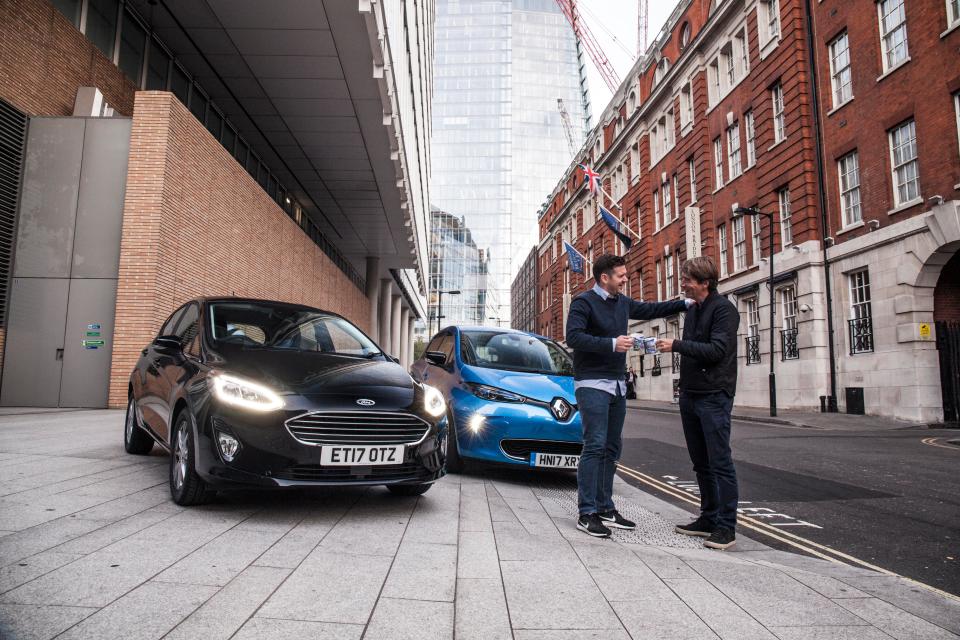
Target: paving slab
[
  {"x": 481, "y": 610},
  {"x": 273, "y": 629},
  {"x": 423, "y": 571}
]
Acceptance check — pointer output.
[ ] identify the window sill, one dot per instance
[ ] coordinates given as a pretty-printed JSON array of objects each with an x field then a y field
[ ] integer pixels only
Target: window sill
[
  {"x": 840, "y": 106},
  {"x": 769, "y": 46},
  {"x": 686, "y": 128},
  {"x": 950, "y": 29},
  {"x": 893, "y": 69},
  {"x": 850, "y": 227},
  {"x": 906, "y": 205},
  {"x": 776, "y": 144}
]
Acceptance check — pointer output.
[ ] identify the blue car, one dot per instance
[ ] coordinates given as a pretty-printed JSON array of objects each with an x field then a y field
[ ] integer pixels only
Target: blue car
[{"x": 509, "y": 397}]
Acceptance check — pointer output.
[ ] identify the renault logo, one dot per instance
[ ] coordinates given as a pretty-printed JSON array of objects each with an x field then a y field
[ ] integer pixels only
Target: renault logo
[
  {"x": 365, "y": 402},
  {"x": 561, "y": 408}
]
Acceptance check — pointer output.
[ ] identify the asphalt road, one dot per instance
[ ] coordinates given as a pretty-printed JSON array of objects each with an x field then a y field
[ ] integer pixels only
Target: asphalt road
[{"x": 883, "y": 497}]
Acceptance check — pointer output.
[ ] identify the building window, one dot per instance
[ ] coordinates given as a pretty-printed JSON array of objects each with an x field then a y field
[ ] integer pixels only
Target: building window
[
  {"x": 893, "y": 32},
  {"x": 769, "y": 21},
  {"x": 667, "y": 204},
  {"x": 739, "y": 244},
  {"x": 70, "y": 9},
  {"x": 903, "y": 158},
  {"x": 133, "y": 48},
  {"x": 101, "y": 24},
  {"x": 779, "y": 124},
  {"x": 755, "y": 237},
  {"x": 753, "y": 331},
  {"x": 713, "y": 82},
  {"x": 659, "y": 281},
  {"x": 751, "y": 142},
  {"x": 692, "y": 168},
  {"x": 786, "y": 228},
  {"x": 728, "y": 64},
  {"x": 158, "y": 68},
  {"x": 788, "y": 335},
  {"x": 849, "y": 169},
  {"x": 743, "y": 54},
  {"x": 953, "y": 13},
  {"x": 686, "y": 106},
  {"x": 733, "y": 151},
  {"x": 656, "y": 211},
  {"x": 668, "y": 261},
  {"x": 722, "y": 242},
  {"x": 676, "y": 197},
  {"x": 840, "y": 76},
  {"x": 718, "y": 163},
  {"x": 861, "y": 322}
]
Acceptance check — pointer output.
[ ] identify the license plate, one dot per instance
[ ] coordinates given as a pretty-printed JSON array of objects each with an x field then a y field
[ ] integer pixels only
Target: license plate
[
  {"x": 554, "y": 460},
  {"x": 356, "y": 456}
]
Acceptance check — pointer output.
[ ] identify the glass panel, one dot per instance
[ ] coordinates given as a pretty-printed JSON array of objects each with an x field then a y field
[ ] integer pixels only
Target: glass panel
[
  {"x": 102, "y": 24},
  {"x": 180, "y": 83},
  {"x": 214, "y": 122},
  {"x": 158, "y": 66},
  {"x": 241, "y": 152},
  {"x": 198, "y": 104},
  {"x": 228, "y": 138},
  {"x": 133, "y": 44},
  {"x": 69, "y": 8}
]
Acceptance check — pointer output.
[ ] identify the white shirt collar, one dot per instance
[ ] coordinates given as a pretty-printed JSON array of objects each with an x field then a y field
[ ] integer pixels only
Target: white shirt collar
[{"x": 600, "y": 291}]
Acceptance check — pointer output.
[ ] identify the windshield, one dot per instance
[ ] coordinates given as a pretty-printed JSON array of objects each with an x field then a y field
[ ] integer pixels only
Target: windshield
[
  {"x": 515, "y": 352},
  {"x": 259, "y": 325}
]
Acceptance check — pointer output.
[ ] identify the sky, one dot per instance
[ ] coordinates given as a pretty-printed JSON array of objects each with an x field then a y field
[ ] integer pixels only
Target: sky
[{"x": 614, "y": 25}]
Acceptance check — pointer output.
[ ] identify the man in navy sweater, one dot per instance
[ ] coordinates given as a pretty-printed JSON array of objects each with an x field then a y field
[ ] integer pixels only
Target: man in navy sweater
[{"x": 597, "y": 333}]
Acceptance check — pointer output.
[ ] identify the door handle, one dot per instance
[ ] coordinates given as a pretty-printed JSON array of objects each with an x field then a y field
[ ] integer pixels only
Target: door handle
[{"x": 59, "y": 354}]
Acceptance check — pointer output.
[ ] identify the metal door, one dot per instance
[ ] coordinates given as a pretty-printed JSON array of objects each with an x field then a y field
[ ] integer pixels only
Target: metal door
[
  {"x": 948, "y": 344},
  {"x": 85, "y": 381},
  {"x": 33, "y": 360}
]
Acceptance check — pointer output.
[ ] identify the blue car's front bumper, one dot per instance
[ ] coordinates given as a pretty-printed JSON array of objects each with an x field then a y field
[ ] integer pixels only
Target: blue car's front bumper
[{"x": 482, "y": 426}]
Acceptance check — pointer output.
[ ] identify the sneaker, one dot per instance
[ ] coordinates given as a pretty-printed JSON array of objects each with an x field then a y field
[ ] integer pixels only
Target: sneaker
[
  {"x": 722, "y": 538},
  {"x": 590, "y": 524},
  {"x": 615, "y": 520},
  {"x": 698, "y": 527}
]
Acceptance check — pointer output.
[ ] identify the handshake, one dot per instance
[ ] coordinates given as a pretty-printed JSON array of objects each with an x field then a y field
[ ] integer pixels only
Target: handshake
[{"x": 639, "y": 342}]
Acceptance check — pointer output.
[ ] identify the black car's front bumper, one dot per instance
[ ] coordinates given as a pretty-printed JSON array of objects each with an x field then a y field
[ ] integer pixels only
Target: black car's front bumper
[{"x": 270, "y": 456}]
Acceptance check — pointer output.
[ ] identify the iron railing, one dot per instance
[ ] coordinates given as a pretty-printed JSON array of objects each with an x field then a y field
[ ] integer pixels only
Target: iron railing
[{"x": 861, "y": 335}]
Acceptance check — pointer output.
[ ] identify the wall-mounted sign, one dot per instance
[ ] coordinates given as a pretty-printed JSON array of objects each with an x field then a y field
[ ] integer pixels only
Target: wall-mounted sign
[{"x": 924, "y": 331}]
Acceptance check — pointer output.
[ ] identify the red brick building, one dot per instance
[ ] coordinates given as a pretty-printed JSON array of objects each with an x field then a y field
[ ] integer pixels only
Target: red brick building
[{"x": 859, "y": 179}]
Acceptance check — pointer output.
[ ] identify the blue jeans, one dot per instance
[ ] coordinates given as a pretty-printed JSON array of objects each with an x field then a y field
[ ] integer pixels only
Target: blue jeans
[
  {"x": 602, "y": 416},
  {"x": 706, "y": 427}
]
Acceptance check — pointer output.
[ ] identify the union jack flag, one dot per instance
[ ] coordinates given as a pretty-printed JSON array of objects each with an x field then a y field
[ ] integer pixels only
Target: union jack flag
[{"x": 591, "y": 178}]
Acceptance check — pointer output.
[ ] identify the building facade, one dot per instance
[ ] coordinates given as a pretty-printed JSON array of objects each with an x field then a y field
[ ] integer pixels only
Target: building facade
[
  {"x": 832, "y": 130},
  {"x": 162, "y": 152},
  {"x": 498, "y": 140},
  {"x": 523, "y": 295},
  {"x": 457, "y": 264}
]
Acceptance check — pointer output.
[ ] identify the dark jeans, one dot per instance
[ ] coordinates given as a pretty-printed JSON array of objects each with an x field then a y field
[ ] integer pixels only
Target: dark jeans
[
  {"x": 602, "y": 416},
  {"x": 706, "y": 427}
]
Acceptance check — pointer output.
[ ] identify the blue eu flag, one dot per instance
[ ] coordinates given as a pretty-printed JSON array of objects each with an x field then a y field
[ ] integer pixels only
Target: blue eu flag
[
  {"x": 575, "y": 258},
  {"x": 618, "y": 228}
]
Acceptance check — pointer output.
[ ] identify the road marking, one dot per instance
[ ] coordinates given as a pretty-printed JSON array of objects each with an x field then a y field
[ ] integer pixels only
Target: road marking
[
  {"x": 809, "y": 546},
  {"x": 935, "y": 442}
]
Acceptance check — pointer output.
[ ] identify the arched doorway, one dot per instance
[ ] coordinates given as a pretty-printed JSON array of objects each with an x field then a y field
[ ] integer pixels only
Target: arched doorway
[{"x": 946, "y": 315}]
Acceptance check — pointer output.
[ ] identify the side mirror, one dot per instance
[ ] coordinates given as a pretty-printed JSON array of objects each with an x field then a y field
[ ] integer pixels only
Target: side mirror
[
  {"x": 169, "y": 342},
  {"x": 394, "y": 358},
  {"x": 438, "y": 358}
]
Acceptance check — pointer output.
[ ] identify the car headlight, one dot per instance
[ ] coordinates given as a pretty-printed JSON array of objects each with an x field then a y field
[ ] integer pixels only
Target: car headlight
[
  {"x": 433, "y": 401},
  {"x": 486, "y": 392},
  {"x": 245, "y": 394}
]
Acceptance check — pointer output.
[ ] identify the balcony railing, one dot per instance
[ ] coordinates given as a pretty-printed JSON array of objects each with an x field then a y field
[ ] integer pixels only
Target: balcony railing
[
  {"x": 753, "y": 349},
  {"x": 675, "y": 362},
  {"x": 788, "y": 345},
  {"x": 861, "y": 335}
]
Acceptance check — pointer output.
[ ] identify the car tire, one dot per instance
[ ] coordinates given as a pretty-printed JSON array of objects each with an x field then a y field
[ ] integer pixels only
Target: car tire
[
  {"x": 454, "y": 461},
  {"x": 408, "y": 489},
  {"x": 186, "y": 487},
  {"x": 135, "y": 439}
]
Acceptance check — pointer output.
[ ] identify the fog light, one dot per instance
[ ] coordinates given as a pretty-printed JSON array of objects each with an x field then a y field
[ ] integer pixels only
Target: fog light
[
  {"x": 476, "y": 423},
  {"x": 229, "y": 446}
]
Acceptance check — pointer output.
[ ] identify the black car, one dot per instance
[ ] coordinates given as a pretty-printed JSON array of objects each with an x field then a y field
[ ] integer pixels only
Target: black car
[{"x": 269, "y": 394}]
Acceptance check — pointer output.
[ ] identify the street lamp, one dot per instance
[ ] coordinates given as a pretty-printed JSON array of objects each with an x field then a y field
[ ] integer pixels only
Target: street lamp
[
  {"x": 753, "y": 211},
  {"x": 452, "y": 292}
]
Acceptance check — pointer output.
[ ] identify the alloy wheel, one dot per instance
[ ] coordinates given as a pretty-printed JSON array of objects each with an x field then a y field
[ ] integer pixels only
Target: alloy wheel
[{"x": 180, "y": 457}]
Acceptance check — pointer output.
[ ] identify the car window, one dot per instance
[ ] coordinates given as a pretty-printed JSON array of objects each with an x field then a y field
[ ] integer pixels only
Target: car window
[
  {"x": 434, "y": 344},
  {"x": 187, "y": 325},
  {"x": 446, "y": 346},
  {"x": 515, "y": 352},
  {"x": 171, "y": 323}
]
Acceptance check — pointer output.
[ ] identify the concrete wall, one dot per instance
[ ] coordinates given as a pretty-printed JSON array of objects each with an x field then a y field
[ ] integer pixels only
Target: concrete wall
[{"x": 195, "y": 223}]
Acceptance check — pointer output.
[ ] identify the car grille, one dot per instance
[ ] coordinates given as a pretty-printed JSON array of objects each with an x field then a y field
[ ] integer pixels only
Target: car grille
[
  {"x": 357, "y": 427},
  {"x": 316, "y": 472},
  {"x": 523, "y": 448}
]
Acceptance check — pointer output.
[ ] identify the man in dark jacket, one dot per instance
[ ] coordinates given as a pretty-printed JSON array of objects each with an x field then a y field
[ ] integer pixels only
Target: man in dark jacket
[
  {"x": 708, "y": 382},
  {"x": 596, "y": 331}
]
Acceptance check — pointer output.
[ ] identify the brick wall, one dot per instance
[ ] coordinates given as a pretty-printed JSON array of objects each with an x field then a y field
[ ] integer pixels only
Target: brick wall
[
  {"x": 195, "y": 223},
  {"x": 44, "y": 59}
]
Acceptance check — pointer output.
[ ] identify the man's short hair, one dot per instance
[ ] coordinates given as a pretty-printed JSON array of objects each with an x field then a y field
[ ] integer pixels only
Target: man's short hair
[
  {"x": 702, "y": 269},
  {"x": 605, "y": 264}
]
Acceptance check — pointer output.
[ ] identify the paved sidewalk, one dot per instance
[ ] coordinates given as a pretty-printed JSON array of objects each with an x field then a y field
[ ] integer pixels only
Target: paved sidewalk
[
  {"x": 92, "y": 547},
  {"x": 792, "y": 417}
]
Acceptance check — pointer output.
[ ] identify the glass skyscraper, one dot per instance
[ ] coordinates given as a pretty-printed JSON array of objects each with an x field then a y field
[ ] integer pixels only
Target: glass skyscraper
[{"x": 498, "y": 142}]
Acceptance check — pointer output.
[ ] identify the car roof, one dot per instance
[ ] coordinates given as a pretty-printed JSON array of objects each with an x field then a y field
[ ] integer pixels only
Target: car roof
[
  {"x": 499, "y": 329},
  {"x": 278, "y": 303}
]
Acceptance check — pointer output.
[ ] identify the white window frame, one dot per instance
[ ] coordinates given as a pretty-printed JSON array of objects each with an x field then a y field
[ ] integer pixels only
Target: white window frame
[
  {"x": 890, "y": 43},
  {"x": 656, "y": 211},
  {"x": 788, "y": 303},
  {"x": 635, "y": 161},
  {"x": 713, "y": 82},
  {"x": 953, "y": 13},
  {"x": 956, "y": 106},
  {"x": 676, "y": 198},
  {"x": 667, "y": 204},
  {"x": 841, "y": 75},
  {"x": 718, "y": 163},
  {"x": 668, "y": 275},
  {"x": 768, "y": 22},
  {"x": 860, "y": 304},
  {"x": 779, "y": 121},
  {"x": 734, "y": 160},
  {"x": 659, "y": 281},
  {"x": 848, "y": 174},
  {"x": 751, "y": 138},
  {"x": 722, "y": 242},
  {"x": 686, "y": 106},
  {"x": 786, "y": 223},
  {"x": 756, "y": 238},
  {"x": 692, "y": 164},
  {"x": 753, "y": 317},
  {"x": 739, "y": 244},
  {"x": 902, "y": 164}
]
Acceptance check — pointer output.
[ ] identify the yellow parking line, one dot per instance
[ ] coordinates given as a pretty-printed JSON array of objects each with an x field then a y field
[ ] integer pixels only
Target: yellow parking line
[
  {"x": 809, "y": 546},
  {"x": 935, "y": 442}
]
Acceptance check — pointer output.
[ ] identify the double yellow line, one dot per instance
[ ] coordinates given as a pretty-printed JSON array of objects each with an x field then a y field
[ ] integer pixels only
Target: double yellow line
[{"x": 808, "y": 546}]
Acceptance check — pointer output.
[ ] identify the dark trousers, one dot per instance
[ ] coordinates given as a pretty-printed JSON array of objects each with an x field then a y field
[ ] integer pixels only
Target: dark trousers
[
  {"x": 706, "y": 427},
  {"x": 602, "y": 416}
]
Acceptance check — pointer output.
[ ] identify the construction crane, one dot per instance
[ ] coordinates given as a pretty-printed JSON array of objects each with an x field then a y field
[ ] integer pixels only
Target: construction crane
[
  {"x": 583, "y": 33},
  {"x": 567, "y": 126},
  {"x": 643, "y": 13}
]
